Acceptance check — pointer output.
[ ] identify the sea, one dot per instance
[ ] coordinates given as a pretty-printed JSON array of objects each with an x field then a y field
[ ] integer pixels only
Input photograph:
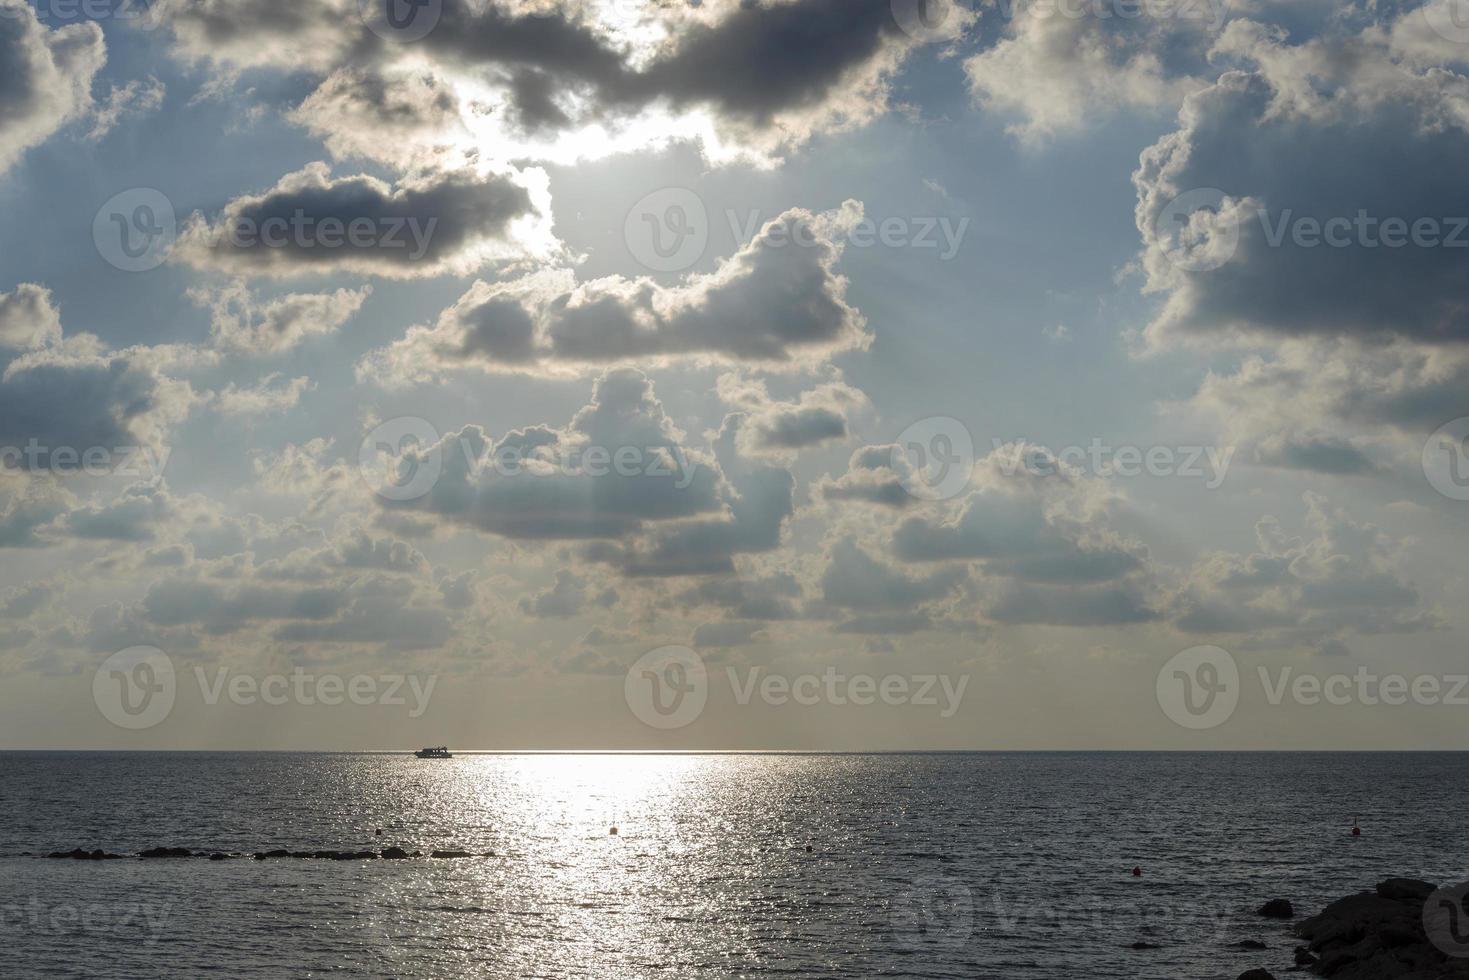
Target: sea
[{"x": 1010, "y": 866}]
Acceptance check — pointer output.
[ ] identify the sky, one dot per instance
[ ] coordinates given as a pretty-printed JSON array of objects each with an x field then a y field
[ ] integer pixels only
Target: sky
[{"x": 783, "y": 374}]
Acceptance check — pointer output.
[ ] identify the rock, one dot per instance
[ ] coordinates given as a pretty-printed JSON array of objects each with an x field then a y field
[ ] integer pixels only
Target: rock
[
  {"x": 1251, "y": 944},
  {"x": 394, "y": 853},
  {"x": 1256, "y": 975},
  {"x": 450, "y": 854},
  {"x": 277, "y": 853},
  {"x": 166, "y": 852},
  {"x": 217, "y": 856},
  {"x": 1405, "y": 889},
  {"x": 1143, "y": 945},
  {"x": 1377, "y": 935},
  {"x": 78, "y": 854},
  {"x": 1276, "y": 908}
]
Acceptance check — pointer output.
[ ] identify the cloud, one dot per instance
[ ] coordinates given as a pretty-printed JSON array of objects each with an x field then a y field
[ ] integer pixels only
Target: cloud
[
  {"x": 772, "y": 597},
  {"x": 135, "y": 515},
  {"x": 1058, "y": 67},
  {"x": 774, "y": 303},
  {"x": 757, "y": 500},
  {"x": 530, "y": 81},
  {"x": 71, "y": 398},
  {"x": 133, "y": 99},
  {"x": 816, "y": 416},
  {"x": 1343, "y": 578},
  {"x": 877, "y": 475},
  {"x": 27, "y": 511},
  {"x": 544, "y": 483},
  {"x": 48, "y": 77},
  {"x": 427, "y": 225},
  {"x": 28, "y": 318},
  {"x": 1036, "y": 537},
  {"x": 565, "y": 598},
  {"x": 1354, "y": 347},
  {"x": 274, "y": 393},
  {"x": 1381, "y": 126},
  {"x": 855, "y": 580},
  {"x": 241, "y": 323}
]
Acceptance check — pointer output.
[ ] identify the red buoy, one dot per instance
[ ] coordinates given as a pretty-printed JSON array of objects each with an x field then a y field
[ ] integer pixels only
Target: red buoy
[
  {"x": 1137, "y": 872},
  {"x": 1356, "y": 831}
]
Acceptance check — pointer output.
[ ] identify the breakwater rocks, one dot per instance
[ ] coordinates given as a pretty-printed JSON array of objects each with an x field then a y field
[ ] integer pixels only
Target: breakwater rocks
[
  {"x": 1403, "y": 929},
  {"x": 169, "y": 853}
]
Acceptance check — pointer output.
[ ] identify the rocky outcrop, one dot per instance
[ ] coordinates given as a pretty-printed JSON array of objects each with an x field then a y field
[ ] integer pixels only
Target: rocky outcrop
[
  {"x": 1384, "y": 934},
  {"x": 1276, "y": 908},
  {"x": 80, "y": 855},
  {"x": 155, "y": 853}
]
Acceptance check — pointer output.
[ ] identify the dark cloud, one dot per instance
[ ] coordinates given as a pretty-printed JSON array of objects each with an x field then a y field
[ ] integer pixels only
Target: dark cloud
[
  {"x": 312, "y": 222},
  {"x": 1338, "y": 129}
]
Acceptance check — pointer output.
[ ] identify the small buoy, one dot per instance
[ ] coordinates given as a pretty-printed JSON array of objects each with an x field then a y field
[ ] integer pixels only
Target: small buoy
[
  {"x": 1356, "y": 830},
  {"x": 612, "y": 832},
  {"x": 808, "y": 848},
  {"x": 379, "y": 831},
  {"x": 1137, "y": 872}
]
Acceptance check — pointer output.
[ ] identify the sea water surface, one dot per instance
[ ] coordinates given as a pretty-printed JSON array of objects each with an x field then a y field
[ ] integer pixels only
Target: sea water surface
[{"x": 955, "y": 865}]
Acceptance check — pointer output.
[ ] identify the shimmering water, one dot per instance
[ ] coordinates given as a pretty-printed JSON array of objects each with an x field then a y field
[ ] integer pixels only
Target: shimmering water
[{"x": 1007, "y": 866}]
